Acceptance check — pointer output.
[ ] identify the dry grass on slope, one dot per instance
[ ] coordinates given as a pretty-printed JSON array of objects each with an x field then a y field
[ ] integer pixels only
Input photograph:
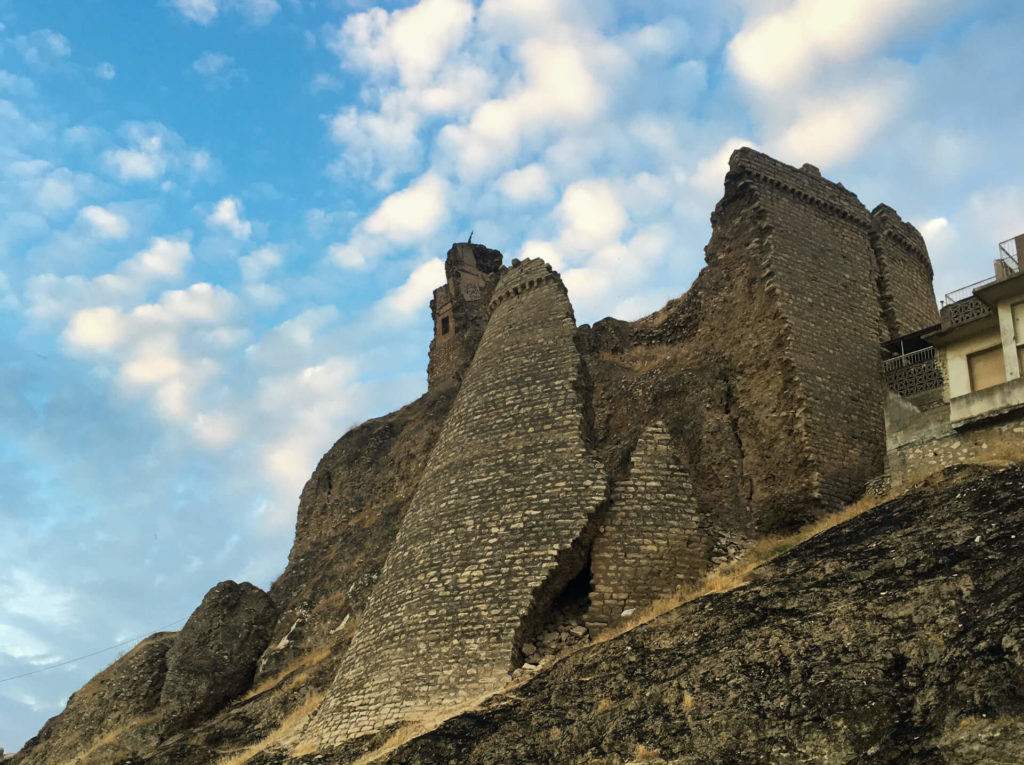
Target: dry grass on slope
[
  {"x": 284, "y": 735},
  {"x": 736, "y": 573}
]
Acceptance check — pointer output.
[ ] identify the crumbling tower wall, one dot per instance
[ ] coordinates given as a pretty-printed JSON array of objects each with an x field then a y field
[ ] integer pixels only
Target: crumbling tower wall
[
  {"x": 820, "y": 261},
  {"x": 495, "y": 527},
  {"x": 905, "y": 274},
  {"x": 460, "y": 310}
]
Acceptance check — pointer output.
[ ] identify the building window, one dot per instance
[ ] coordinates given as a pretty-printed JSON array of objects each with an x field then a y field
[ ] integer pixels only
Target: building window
[
  {"x": 986, "y": 368},
  {"x": 445, "y": 325}
]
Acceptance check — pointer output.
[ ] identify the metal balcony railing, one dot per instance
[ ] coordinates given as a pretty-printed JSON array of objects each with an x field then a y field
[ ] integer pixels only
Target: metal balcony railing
[
  {"x": 913, "y": 374},
  {"x": 965, "y": 292},
  {"x": 909, "y": 359},
  {"x": 1008, "y": 253}
]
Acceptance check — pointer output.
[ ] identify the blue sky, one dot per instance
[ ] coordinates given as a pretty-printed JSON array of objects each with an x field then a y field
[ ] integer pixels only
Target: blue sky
[{"x": 222, "y": 220}]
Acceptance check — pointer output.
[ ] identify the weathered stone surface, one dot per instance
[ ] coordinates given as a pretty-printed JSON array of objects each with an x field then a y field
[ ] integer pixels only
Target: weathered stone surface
[
  {"x": 650, "y": 542},
  {"x": 123, "y": 696},
  {"x": 214, "y": 656},
  {"x": 484, "y": 495},
  {"x": 494, "y": 530},
  {"x": 896, "y": 637}
]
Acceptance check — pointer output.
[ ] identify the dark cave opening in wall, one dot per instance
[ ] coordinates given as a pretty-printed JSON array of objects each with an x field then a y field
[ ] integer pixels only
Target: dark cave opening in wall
[{"x": 564, "y": 625}]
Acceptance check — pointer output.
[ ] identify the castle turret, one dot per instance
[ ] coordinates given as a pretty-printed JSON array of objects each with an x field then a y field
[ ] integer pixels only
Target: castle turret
[{"x": 460, "y": 311}]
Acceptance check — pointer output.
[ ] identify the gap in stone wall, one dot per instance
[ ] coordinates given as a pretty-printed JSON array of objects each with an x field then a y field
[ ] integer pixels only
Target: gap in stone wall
[{"x": 563, "y": 626}]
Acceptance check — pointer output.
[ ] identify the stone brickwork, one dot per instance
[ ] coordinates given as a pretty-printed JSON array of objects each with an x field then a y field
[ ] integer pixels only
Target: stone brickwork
[
  {"x": 921, "y": 443},
  {"x": 824, "y": 271},
  {"x": 649, "y": 544},
  {"x": 904, "y": 272},
  {"x": 496, "y": 528},
  {"x": 460, "y": 311}
]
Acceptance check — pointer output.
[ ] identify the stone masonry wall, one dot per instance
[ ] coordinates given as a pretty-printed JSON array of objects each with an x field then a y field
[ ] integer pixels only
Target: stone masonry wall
[
  {"x": 460, "y": 310},
  {"x": 493, "y": 531},
  {"x": 905, "y": 274},
  {"x": 824, "y": 271},
  {"x": 649, "y": 543},
  {"x": 927, "y": 444}
]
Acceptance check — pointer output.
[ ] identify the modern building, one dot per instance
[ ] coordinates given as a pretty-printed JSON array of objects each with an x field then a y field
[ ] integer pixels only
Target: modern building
[{"x": 956, "y": 392}]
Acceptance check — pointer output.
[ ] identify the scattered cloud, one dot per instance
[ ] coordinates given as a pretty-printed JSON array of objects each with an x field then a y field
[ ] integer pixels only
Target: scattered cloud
[
  {"x": 106, "y": 71},
  {"x": 834, "y": 128},
  {"x": 527, "y": 184},
  {"x": 784, "y": 48},
  {"x": 206, "y": 11},
  {"x": 591, "y": 215},
  {"x": 42, "y": 48},
  {"x": 152, "y": 152},
  {"x": 227, "y": 214},
  {"x": 413, "y": 213},
  {"x": 408, "y": 300},
  {"x": 218, "y": 70},
  {"x": 104, "y": 222}
]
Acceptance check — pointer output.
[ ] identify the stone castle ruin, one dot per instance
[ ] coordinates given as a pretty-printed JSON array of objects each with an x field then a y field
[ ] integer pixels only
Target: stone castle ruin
[
  {"x": 557, "y": 474},
  {"x": 623, "y": 458}
]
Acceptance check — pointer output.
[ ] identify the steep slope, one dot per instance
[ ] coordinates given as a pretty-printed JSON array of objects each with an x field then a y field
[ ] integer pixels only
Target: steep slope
[{"x": 896, "y": 637}]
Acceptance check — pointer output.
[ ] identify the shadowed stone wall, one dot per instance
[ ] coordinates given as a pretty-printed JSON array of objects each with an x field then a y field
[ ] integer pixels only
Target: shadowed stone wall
[
  {"x": 493, "y": 531},
  {"x": 905, "y": 274},
  {"x": 824, "y": 271},
  {"x": 649, "y": 543},
  {"x": 460, "y": 310}
]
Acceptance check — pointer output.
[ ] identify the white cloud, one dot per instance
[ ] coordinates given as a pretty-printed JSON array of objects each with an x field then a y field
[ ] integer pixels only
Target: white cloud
[
  {"x": 546, "y": 251},
  {"x": 18, "y": 643},
  {"x": 57, "y": 192},
  {"x": 25, "y": 594},
  {"x": 387, "y": 139},
  {"x": 96, "y": 329},
  {"x": 591, "y": 215},
  {"x": 8, "y": 300},
  {"x": 152, "y": 151},
  {"x": 107, "y": 224},
  {"x": 709, "y": 175},
  {"x": 44, "y": 47},
  {"x": 218, "y": 70},
  {"x": 58, "y": 297},
  {"x": 834, "y": 128},
  {"x": 405, "y": 302},
  {"x": 202, "y": 11},
  {"x": 414, "y": 41},
  {"x": 781, "y": 49},
  {"x": 106, "y": 71},
  {"x": 211, "y": 63},
  {"x": 227, "y": 214},
  {"x": 255, "y": 269},
  {"x": 527, "y": 184},
  {"x": 205, "y": 11},
  {"x": 413, "y": 213},
  {"x": 558, "y": 90},
  {"x": 256, "y": 266}
]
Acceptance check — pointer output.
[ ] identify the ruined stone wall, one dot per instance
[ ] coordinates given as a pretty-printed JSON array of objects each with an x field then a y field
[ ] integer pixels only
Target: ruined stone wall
[
  {"x": 460, "y": 311},
  {"x": 923, "y": 443},
  {"x": 905, "y": 274},
  {"x": 823, "y": 269},
  {"x": 649, "y": 543},
  {"x": 493, "y": 531}
]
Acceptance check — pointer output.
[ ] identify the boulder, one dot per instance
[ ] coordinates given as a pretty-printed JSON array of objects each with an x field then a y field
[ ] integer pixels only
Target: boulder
[{"x": 215, "y": 655}]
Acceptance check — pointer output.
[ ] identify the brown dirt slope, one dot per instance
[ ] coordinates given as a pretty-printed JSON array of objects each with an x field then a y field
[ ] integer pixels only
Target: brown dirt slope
[{"x": 896, "y": 637}]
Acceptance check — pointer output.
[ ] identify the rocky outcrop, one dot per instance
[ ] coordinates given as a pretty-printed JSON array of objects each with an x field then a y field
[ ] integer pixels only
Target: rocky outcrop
[
  {"x": 436, "y": 545},
  {"x": 214, "y": 656},
  {"x": 895, "y": 637},
  {"x": 110, "y": 716}
]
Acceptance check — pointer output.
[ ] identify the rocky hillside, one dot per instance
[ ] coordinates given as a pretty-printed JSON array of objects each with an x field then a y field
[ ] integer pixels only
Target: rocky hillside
[{"x": 895, "y": 637}]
